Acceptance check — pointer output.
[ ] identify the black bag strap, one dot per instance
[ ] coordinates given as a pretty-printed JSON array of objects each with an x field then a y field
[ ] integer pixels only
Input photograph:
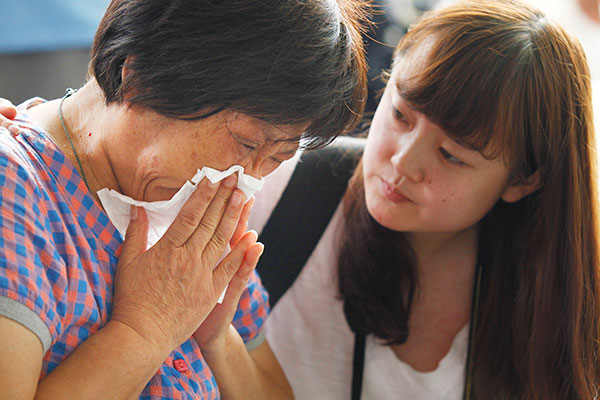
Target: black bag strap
[
  {"x": 303, "y": 212},
  {"x": 358, "y": 365}
]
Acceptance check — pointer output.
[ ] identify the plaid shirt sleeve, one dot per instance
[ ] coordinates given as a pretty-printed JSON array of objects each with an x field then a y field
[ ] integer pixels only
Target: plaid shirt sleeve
[
  {"x": 31, "y": 270},
  {"x": 252, "y": 310}
]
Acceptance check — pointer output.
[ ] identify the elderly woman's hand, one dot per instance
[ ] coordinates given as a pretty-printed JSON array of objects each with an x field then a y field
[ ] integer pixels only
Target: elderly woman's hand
[
  {"x": 211, "y": 336},
  {"x": 166, "y": 292}
]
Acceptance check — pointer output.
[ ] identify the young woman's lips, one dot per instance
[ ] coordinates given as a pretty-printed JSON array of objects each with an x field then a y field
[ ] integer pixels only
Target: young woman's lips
[{"x": 392, "y": 194}]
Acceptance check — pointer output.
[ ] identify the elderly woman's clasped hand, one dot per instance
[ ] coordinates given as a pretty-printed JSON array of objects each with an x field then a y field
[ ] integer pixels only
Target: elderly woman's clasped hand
[{"x": 166, "y": 292}]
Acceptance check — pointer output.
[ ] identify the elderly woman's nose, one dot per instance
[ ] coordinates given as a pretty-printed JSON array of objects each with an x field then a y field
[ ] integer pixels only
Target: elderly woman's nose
[
  {"x": 260, "y": 169},
  {"x": 263, "y": 162}
]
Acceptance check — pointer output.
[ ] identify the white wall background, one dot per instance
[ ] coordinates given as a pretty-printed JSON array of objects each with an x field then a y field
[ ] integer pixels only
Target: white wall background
[{"x": 570, "y": 15}]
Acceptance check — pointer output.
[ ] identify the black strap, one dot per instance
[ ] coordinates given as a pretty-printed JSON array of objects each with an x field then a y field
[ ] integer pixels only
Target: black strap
[
  {"x": 303, "y": 212},
  {"x": 358, "y": 365}
]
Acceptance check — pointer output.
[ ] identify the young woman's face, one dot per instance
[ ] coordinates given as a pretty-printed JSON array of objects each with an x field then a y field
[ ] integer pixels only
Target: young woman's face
[{"x": 416, "y": 178}]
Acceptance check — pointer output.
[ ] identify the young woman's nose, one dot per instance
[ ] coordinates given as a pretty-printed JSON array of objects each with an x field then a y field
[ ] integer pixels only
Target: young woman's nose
[{"x": 408, "y": 159}]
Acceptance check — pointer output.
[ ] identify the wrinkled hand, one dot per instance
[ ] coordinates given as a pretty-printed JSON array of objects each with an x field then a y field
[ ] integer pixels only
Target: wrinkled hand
[
  {"x": 242, "y": 226},
  {"x": 7, "y": 113},
  {"x": 166, "y": 292},
  {"x": 211, "y": 335}
]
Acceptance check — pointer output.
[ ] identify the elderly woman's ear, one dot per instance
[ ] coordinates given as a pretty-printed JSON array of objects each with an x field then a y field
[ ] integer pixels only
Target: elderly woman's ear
[
  {"x": 8, "y": 112},
  {"x": 125, "y": 73}
]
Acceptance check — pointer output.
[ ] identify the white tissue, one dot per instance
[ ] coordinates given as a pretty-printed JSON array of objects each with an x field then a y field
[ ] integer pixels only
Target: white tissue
[{"x": 161, "y": 214}]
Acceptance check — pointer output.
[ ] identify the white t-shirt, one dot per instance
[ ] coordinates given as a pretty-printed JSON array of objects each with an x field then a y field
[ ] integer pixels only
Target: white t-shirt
[{"x": 309, "y": 335}]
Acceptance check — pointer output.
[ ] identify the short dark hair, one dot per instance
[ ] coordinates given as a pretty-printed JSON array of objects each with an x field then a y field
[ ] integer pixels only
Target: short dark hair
[{"x": 287, "y": 62}]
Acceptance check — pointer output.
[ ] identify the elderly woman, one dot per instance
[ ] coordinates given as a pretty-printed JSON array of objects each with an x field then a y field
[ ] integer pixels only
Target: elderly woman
[{"x": 174, "y": 86}]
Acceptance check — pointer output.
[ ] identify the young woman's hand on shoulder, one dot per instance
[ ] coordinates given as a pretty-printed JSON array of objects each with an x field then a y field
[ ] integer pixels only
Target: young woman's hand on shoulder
[{"x": 8, "y": 112}]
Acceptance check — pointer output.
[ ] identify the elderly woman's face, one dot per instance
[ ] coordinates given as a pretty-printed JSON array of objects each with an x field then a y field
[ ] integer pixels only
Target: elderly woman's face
[{"x": 159, "y": 154}]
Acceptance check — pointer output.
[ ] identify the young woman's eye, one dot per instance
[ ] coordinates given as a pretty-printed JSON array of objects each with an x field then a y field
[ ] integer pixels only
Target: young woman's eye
[
  {"x": 399, "y": 115},
  {"x": 450, "y": 157}
]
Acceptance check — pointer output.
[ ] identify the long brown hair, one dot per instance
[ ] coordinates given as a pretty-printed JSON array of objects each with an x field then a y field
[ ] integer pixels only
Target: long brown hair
[{"x": 505, "y": 79}]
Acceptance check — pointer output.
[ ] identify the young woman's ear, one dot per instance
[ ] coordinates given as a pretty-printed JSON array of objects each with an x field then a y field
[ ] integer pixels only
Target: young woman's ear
[{"x": 517, "y": 191}]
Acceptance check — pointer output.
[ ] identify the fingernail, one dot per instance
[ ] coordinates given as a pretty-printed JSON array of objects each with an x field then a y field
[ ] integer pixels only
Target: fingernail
[
  {"x": 255, "y": 234},
  {"x": 133, "y": 213},
  {"x": 236, "y": 199}
]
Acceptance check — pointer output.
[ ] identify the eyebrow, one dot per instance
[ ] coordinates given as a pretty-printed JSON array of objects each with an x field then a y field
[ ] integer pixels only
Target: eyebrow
[
  {"x": 401, "y": 88},
  {"x": 459, "y": 141}
]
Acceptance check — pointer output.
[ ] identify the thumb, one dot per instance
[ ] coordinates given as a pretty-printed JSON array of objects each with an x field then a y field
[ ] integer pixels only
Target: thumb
[{"x": 136, "y": 237}]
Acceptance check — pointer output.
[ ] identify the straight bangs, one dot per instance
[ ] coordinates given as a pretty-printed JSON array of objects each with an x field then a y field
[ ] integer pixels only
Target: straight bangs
[{"x": 477, "y": 77}]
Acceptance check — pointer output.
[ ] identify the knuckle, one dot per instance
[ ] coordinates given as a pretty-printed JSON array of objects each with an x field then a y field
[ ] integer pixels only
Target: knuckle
[
  {"x": 220, "y": 240},
  {"x": 232, "y": 212},
  {"x": 212, "y": 253},
  {"x": 229, "y": 267},
  {"x": 189, "y": 218},
  {"x": 211, "y": 220},
  {"x": 206, "y": 226}
]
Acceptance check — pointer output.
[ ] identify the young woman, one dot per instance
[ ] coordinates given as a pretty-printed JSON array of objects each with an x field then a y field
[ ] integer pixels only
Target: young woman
[{"x": 471, "y": 223}]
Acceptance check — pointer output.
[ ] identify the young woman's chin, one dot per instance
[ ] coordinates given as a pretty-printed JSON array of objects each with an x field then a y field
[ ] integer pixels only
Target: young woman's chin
[{"x": 382, "y": 215}]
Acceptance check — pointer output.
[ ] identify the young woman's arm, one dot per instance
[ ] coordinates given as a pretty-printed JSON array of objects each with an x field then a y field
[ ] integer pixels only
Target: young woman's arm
[
  {"x": 242, "y": 374},
  {"x": 247, "y": 375}
]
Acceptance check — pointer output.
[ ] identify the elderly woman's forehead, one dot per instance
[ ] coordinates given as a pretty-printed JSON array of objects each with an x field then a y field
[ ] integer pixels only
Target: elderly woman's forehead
[{"x": 270, "y": 131}]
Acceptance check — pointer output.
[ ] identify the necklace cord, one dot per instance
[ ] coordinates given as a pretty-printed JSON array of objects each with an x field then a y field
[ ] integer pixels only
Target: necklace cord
[{"x": 70, "y": 91}]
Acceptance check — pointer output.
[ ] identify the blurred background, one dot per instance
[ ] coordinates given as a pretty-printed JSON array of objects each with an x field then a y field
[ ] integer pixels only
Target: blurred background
[{"x": 44, "y": 44}]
